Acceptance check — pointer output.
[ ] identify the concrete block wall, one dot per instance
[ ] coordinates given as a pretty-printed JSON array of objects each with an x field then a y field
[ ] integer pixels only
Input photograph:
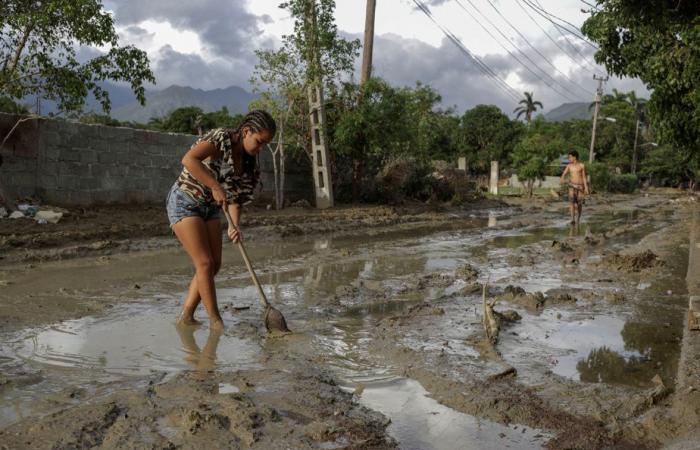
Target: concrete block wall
[{"x": 69, "y": 163}]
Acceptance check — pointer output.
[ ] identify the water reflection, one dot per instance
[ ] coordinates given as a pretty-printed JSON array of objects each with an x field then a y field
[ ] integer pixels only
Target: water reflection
[{"x": 200, "y": 360}]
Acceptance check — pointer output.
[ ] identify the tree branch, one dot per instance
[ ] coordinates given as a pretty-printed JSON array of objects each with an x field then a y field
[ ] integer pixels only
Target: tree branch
[{"x": 12, "y": 130}]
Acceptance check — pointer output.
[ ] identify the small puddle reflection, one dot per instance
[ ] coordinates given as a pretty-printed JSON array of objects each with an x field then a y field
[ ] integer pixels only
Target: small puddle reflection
[
  {"x": 135, "y": 340},
  {"x": 420, "y": 423}
]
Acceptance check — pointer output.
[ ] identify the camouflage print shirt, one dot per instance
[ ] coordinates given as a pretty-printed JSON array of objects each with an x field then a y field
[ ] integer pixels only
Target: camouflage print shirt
[{"x": 239, "y": 184}]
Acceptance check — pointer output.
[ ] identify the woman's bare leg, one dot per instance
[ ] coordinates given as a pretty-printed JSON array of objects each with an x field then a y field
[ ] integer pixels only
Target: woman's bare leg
[
  {"x": 193, "y": 297},
  {"x": 194, "y": 236}
]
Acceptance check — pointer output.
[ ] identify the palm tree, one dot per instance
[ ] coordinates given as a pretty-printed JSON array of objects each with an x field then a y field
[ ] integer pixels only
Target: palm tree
[
  {"x": 528, "y": 107},
  {"x": 616, "y": 96}
]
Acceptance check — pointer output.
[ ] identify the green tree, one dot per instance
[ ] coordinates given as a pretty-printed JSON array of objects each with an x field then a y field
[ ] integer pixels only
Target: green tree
[
  {"x": 39, "y": 40},
  {"x": 486, "y": 135},
  {"x": 528, "y": 107},
  {"x": 533, "y": 156},
  {"x": 659, "y": 42},
  {"x": 370, "y": 125},
  {"x": 313, "y": 53},
  {"x": 7, "y": 105}
]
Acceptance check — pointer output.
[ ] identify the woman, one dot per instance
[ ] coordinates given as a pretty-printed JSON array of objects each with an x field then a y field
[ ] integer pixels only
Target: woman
[{"x": 220, "y": 171}]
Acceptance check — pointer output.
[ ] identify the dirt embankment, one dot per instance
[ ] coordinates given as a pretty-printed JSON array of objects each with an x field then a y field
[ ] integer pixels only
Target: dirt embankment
[{"x": 108, "y": 230}]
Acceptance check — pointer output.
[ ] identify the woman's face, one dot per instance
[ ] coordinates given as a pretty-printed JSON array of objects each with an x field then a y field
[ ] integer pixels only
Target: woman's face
[{"x": 253, "y": 142}]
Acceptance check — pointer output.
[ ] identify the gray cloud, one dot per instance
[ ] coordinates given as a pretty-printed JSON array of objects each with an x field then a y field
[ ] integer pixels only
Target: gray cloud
[
  {"x": 404, "y": 61},
  {"x": 226, "y": 27},
  {"x": 172, "y": 67}
]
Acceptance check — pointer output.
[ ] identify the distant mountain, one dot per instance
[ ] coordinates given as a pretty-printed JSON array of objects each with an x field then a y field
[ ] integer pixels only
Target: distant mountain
[
  {"x": 160, "y": 103},
  {"x": 569, "y": 111},
  {"x": 119, "y": 95},
  {"x": 125, "y": 107}
]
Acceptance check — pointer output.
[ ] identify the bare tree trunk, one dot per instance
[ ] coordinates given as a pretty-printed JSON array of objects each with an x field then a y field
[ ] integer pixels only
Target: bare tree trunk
[
  {"x": 281, "y": 204},
  {"x": 275, "y": 174}
]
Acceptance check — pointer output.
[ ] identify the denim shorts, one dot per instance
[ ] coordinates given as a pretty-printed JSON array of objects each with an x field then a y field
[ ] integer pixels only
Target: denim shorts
[{"x": 180, "y": 205}]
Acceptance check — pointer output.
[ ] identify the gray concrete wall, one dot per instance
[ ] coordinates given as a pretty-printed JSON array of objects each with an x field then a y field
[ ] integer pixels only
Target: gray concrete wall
[
  {"x": 547, "y": 183},
  {"x": 69, "y": 163}
]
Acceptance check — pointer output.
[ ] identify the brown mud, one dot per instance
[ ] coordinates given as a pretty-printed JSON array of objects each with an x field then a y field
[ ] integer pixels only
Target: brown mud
[{"x": 388, "y": 349}]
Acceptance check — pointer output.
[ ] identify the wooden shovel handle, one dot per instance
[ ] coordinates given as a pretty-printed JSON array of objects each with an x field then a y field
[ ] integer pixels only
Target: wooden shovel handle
[{"x": 244, "y": 254}]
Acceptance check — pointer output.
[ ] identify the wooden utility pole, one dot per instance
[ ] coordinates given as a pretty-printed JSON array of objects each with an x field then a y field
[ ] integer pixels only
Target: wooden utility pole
[
  {"x": 321, "y": 169},
  {"x": 634, "y": 151},
  {"x": 369, "y": 42},
  {"x": 598, "y": 97}
]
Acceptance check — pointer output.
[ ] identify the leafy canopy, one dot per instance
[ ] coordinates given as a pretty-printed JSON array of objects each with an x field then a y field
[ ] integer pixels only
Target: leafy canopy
[{"x": 39, "y": 42}]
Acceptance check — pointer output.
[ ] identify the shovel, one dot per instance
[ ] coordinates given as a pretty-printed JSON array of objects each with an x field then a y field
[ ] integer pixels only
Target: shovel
[{"x": 274, "y": 320}]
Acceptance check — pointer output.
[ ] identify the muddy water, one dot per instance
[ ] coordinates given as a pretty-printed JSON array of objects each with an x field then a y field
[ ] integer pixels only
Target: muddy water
[{"x": 334, "y": 292}]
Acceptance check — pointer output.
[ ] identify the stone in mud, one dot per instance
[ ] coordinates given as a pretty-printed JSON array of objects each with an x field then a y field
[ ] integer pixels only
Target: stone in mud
[
  {"x": 467, "y": 273},
  {"x": 634, "y": 262}
]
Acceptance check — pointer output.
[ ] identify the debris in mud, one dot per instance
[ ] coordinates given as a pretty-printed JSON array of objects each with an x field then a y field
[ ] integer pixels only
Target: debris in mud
[
  {"x": 562, "y": 246},
  {"x": 514, "y": 294},
  {"x": 425, "y": 309},
  {"x": 467, "y": 273},
  {"x": 560, "y": 298},
  {"x": 508, "y": 316},
  {"x": 440, "y": 280},
  {"x": 509, "y": 371},
  {"x": 289, "y": 230},
  {"x": 303, "y": 203},
  {"x": 491, "y": 322},
  {"x": 634, "y": 262},
  {"x": 658, "y": 392},
  {"x": 615, "y": 297},
  {"x": 470, "y": 289}
]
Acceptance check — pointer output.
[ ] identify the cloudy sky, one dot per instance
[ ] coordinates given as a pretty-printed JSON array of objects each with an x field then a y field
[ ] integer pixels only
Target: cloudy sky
[{"x": 210, "y": 44}]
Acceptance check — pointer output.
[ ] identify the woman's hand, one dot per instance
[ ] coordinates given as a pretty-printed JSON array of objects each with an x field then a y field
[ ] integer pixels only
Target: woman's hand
[
  {"x": 219, "y": 196},
  {"x": 235, "y": 234}
]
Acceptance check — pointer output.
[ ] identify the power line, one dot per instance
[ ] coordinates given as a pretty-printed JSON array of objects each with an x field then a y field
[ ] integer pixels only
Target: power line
[
  {"x": 588, "y": 67},
  {"x": 549, "y": 16},
  {"x": 483, "y": 67},
  {"x": 558, "y": 28},
  {"x": 537, "y": 51},
  {"x": 551, "y": 86}
]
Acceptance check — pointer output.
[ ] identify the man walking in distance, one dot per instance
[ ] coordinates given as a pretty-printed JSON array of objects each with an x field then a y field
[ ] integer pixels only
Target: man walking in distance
[{"x": 578, "y": 185}]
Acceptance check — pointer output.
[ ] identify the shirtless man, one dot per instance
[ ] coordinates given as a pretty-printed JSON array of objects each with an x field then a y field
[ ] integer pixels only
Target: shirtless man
[{"x": 578, "y": 185}]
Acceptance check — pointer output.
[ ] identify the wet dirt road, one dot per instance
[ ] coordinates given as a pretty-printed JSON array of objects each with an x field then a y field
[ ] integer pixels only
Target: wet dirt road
[{"x": 387, "y": 320}]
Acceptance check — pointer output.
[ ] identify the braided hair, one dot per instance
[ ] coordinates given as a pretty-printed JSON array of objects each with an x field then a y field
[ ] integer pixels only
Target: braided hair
[{"x": 257, "y": 120}]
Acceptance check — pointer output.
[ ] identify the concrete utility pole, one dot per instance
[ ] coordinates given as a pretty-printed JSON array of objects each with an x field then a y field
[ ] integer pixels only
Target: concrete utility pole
[
  {"x": 321, "y": 169},
  {"x": 598, "y": 97},
  {"x": 369, "y": 42}
]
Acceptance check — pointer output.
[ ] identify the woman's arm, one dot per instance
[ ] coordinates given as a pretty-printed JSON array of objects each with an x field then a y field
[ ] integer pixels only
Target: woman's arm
[
  {"x": 234, "y": 230},
  {"x": 193, "y": 163}
]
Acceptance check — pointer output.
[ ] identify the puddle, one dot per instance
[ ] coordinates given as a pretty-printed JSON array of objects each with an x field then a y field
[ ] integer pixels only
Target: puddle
[
  {"x": 421, "y": 423},
  {"x": 135, "y": 339}
]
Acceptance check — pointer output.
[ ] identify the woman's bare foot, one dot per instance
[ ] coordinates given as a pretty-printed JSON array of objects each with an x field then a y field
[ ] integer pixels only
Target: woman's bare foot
[
  {"x": 216, "y": 325},
  {"x": 187, "y": 320}
]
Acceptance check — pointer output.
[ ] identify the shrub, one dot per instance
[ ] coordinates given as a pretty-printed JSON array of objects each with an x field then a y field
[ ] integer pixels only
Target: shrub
[
  {"x": 625, "y": 183},
  {"x": 600, "y": 176}
]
